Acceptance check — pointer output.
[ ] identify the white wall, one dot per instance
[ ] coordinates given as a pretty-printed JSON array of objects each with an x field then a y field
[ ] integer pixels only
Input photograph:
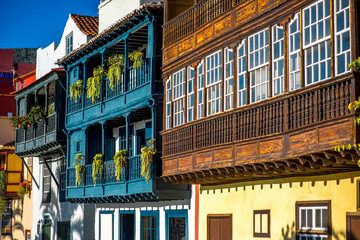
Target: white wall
[
  {"x": 112, "y": 10},
  {"x": 58, "y": 211},
  {"x": 46, "y": 57}
]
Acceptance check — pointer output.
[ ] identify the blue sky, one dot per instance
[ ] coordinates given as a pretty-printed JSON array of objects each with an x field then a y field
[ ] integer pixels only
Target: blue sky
[{"x": 37, "y": 23}]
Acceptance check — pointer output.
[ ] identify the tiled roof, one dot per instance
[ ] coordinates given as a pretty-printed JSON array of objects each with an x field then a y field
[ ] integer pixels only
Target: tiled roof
[
  {"x": 153, "y": 5},
  {"x": 87, "y": 24}
]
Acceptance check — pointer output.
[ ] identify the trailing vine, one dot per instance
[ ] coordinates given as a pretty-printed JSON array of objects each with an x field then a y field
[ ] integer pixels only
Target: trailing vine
[
  {"x": 97, "y": 167},
  {"x": 116, "y": 69},
  {"x": 25, "y": 188},
  {"x": 79, "y": 169},
  {"x": 94, "y": 84},
  {"x": 3, "y": 181},
  {"x": 355, "y": 105},
  {"x": 146, "y": 158},
  {"x": 76, "y": 89},
  {"x": 136, "y": 58},
  {"x": 120, "y": 162}
]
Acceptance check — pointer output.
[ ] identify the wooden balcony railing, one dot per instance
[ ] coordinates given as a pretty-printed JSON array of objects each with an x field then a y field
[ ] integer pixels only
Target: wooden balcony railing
[
  {"x": 289, "y": 112},
  {"x": 194, "y": 18}
]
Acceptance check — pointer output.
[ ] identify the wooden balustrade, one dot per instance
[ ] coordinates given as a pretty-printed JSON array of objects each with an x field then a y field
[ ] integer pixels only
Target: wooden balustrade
[
  {"x": 195, "y": 17},
  {"x": 320, "y": 103}
]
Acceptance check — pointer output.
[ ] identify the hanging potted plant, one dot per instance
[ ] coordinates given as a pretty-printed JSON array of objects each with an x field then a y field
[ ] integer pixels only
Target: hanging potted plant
[
  {"x": 120, "y": 162},
  {"x": 94, "y": 84},
  {"x": 146, "y": 158},
  {"x": 25, "y": 188},
  {"x": 16, "y": 122},
  {"x": 76, "y": 90},
  {"x": 97, "y": 167},
  {"x": 136, "y": 58},
  {"x": 116, "y": 69},
  {"x": 36, "y": 114},
  {"x": 79, "y": 169}
]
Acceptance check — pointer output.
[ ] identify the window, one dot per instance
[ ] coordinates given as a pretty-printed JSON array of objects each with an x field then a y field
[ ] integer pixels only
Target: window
[
  {"x": 241, "y": 68},
  {"x": 78, "y": 146},
  {"x": 259, "y": 65},
  {"x": 179, "y": 97},
  {"x": 262, "y": 223},
  {"x": 176, "y": 224},
  {"x": 62, "y": 179},
  {"x": 342, "y": 36},
  {"x": 200, "y": 87},
  {"x": 168, "y": 104},
  {"x": 294, "y": 53},
  {"x": 106, "y": 225},
  {"x": 219, "y": 226},
  {"x": 190, "y": 94},
  {"x": 69, "y": 43},
  {"x": 317, "y": 44},
  {"x": 122, "y": 138},
  {"x": 228, "y": 83},
  {"x": 149, "y": 225},
  {"x": 313, "y": 220},
  {"x": 6, "y": 218},
  {"x": 213, "y": 83},
  {"x": 46, "y": 185},
  {"x": 278, "y": 60}
]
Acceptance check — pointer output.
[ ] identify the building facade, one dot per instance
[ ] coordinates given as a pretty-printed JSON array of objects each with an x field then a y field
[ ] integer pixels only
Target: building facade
[
  {"x": 123, "y": 117},
  {"x": 256, "y": 100},
  {"x": 42, "y": 142}
]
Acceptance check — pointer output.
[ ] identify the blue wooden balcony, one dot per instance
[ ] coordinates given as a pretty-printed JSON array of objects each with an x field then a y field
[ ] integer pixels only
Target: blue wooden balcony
[
  {"x": 31, "y": 141},
  {"x": 133, "y": 91},
  {"x": 131, "y": 187}
]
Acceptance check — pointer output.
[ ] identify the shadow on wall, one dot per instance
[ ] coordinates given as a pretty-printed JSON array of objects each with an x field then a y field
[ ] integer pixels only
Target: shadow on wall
[
  {"x": 289, "y": 233},
  {"x": 18, "y": 215}
]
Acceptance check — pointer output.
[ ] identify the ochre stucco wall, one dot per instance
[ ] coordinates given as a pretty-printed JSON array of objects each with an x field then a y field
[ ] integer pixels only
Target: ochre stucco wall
[{"x": 280, "y": 196}]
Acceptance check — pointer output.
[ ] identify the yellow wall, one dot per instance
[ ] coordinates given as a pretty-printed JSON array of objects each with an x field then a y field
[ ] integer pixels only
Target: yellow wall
[
  {"x": 14, "y": 169},
  {"x": 280, "y": 196}
]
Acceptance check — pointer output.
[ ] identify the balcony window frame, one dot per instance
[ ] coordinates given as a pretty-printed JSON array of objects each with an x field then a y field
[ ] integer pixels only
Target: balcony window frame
[
  {"x": 213, "y": 82},
  {"x": 294, "y": 50},
  {"x": 241, "y": 74},
  {"x": 201, "y": 89},
  {"x": 228, "y": 79},
  {"x": 278, "y": 79},
  {"x": 346, "y": 29},
  {"x": 259, "y": 71},
  {"x": 190, "y": 93},
  {"x": 312, "y": 48},
  {"x": 178, "y": 97}
]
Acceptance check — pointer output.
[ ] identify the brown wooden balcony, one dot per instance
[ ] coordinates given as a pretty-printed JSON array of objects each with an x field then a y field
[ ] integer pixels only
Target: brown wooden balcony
[{"x": 289, "y": 134}]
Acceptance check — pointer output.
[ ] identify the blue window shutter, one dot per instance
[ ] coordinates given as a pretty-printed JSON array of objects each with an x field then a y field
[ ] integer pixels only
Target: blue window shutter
[
  {"x": 110, "y": 149},
  {"x": 148, "y": 131}
]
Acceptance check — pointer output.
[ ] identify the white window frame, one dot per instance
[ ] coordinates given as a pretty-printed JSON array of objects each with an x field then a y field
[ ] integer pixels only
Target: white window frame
[
  {"x": 313, "y": 209},
  {"x": 69, "y": 46},
  {"x": 178, "y": 97},
  {"x": 241, "y": 74},
  {"x": 276, "y": 62},
  {"x": 168, "y": 103},
  {"x": 190, "y": 93},
  {"x": 228, "y": 79},
  {"x": 260, "y": 70},
  {"x": 213, "y": 84},
  {"x": 315, "y": 45},
  {"x": 200, "y": 89},
  {"x": 346, "y": 12},
  {"x": 294, "y": 74}
]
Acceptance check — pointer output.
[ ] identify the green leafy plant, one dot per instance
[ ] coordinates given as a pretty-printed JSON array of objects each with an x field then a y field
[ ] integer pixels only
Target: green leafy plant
[
  {"x": 36, "y": 114},
  {"x": 3, "y": 181},
  {"x": 25, "y": 188},
  {"x": 136, "y": 58},
  {"x": 79, "y": 169},
  {"x": 116, "y": 69},
  {"x": 355, "y": 64},
  {"x": 94, "y": 84},
  {"x": 97, "y": 167},
  {"x": 120, "y": 162},
  {"x": 146, "y": 158},
  {"x": 76, "y": 89},
  {"x": 355, "y": 105}
]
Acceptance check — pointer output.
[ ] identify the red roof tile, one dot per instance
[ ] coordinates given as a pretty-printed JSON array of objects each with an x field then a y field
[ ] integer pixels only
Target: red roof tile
[{"x": 87, "y": 24}]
